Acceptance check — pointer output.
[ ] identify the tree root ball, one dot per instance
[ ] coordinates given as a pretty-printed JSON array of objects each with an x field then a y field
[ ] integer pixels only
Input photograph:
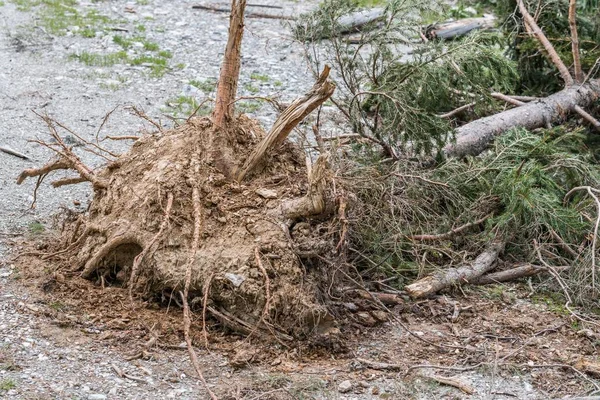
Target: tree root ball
[{"x": 144, "y": 221}]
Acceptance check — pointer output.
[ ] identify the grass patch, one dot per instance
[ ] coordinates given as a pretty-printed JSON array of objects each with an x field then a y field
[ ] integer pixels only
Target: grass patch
[
  {"x": 36, "y": 228},
  {"x": 7, "y": 384},
  {"x": 208, "y": 85},
  {"x": 251, "y": 88},
  {"x": 185, "y": 105},
  {"x": 247, "y": 107},
  {"x": 101, "y": 60},
  {"x": 260, "y": 77}
]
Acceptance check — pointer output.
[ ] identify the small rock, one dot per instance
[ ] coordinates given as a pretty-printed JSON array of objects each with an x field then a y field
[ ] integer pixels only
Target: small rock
[
  {"x": 345, "y": 387},
  {"x": 364, "y": 318},
  {"x": 266, "y": 193},
  {"x": 97, "y": 396}
]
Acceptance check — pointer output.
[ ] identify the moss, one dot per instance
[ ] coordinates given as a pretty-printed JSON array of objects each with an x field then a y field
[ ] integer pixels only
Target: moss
[{"x": 7, "y": 384}]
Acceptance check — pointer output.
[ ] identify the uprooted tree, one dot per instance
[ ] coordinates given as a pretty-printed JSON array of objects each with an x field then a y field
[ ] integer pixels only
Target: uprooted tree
[{"x": 215, "y": 210}]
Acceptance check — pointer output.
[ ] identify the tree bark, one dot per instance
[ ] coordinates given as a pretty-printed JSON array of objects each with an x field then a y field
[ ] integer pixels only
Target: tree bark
[
  {"x": 289, "y": 118},
  {"x": 474, "y": 137},
  {"x": 485, "y": 262},
  {"x": 230, "y": 69}
]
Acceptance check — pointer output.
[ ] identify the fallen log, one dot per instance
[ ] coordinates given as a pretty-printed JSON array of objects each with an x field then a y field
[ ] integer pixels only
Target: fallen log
[
  {"x": 485, "y": 262},
  {"x": 512, "y": 274},
  {"x": 455, "y": 29},
  {"x": 356, "y": 21},
  {"x": 474, "y": 137}
]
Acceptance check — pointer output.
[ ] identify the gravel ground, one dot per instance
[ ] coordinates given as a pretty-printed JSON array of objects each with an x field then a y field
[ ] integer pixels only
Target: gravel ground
[{"x": 43, "y": 72}]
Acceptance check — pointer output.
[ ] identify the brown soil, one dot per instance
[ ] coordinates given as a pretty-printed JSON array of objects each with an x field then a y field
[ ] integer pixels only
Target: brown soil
[{"x": 251, "y": 264}]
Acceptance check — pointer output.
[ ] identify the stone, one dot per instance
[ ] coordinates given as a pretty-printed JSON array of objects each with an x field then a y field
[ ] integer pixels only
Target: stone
[
  {"x": 345, "y": 387},
  {"x": 266, "y": 193},
  {"x": 97, "y": 396}
]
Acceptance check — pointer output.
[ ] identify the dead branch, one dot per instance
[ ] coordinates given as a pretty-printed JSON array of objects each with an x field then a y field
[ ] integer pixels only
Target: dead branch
[
  {"x": 292, "y": 116},
  {"x": 575, "y": 41},
  {"x": 52, "y": 166},
  {"x": 454, "y": 382},
  {"x": 474, "y": 137},
  {"x": 512, "y": 274},
  {"x": 248, "y": 14},
  {"x": 68, "y": 181},
  {"x": 380, "y": 366},
  {"x": 456, "y": 29},
  {"x": 550, "y": 50},
  {"x": 13, "y": 152},
  {"x": 230, "y": 69},
  {"x": 458, "y": 110},
  {"x": 588, "y": 117},
  {"x": 451, "y": 233},
  {"x": 456, "y": 276},
  {"x": 508, "y": 99}
]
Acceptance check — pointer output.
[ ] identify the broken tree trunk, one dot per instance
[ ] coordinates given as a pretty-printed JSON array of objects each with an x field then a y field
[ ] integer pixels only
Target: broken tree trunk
[
  {"x": 292, "y": 116},
  {"x": 474, "y": 137},
  {"x": 485, "y": 262},
  {"x": 230, "y": 69}
]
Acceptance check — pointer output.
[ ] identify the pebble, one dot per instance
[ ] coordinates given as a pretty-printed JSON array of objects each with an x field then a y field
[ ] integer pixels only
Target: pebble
[
  {"x": 97, "y": 396},
  {"x": 345, "y": 387}
]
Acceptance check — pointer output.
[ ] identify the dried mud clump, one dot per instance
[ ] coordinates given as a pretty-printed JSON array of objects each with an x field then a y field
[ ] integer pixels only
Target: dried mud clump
[{"x": 256, "y": 265}]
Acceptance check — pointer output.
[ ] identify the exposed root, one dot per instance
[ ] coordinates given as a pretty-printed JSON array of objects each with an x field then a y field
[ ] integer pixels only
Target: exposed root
[
  {"x": 68, "y": 181},
  {"x": 93, "y": 263},
  {"x": 51, "y": 166},
  {"x": 148, "y": 248}
]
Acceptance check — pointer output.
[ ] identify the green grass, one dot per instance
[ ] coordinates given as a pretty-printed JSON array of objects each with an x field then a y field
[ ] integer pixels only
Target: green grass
[
  {"x": 248, "y": 107},
  {"x": 260, "y": 77},
  {"x": 251, "y": 88},
  {"x": 208, "y": 85},
  {"x": 1, "y": 3},
  {"x": 36, "y": 228},
  {"x": 60, "y": 16},
  {"x": 7, "y": 384},
  {"x": 185, "y": 105},
  {"x": 101, "y": 60}
]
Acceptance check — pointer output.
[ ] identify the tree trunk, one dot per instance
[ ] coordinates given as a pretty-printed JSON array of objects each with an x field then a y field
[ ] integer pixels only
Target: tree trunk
[
  {"x": 485, "y": 262},
  {"x": 474, "y": 137},
  {"x": 230, "y": 69}
]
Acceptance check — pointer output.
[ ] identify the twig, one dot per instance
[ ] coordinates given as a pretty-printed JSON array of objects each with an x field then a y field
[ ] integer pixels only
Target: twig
[
  {"x": 451, "y": 233},
  {"x": 457, "y": 110},
  {"x": 575, "y": 41},
  {"x": 13, "y": 153},
  {"x": 121, "y": 138},
  {"x": 454, "y": 382},
  {"x": 444, "y": 184},
  {"x": 588, "y": 117},
  {"x": 508, "y": 99},
  {"x": 541, "y": 37},
  {"x": 379, "y": 365},
  {"x": 248, "y": 15}
]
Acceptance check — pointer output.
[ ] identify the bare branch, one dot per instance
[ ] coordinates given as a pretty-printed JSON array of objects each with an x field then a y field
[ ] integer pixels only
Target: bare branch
[
  {"x": 579, "y": 77},
  {"x": 550, "y": 50}
]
